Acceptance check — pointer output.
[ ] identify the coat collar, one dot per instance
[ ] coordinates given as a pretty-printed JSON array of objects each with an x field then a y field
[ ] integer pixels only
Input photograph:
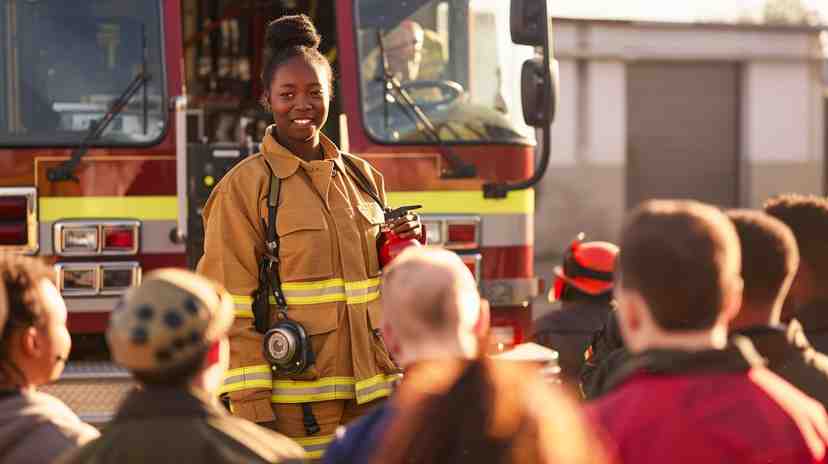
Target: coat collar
[
  {"x": 151, "y": 402},
  {"x": 284, "y": 164}
]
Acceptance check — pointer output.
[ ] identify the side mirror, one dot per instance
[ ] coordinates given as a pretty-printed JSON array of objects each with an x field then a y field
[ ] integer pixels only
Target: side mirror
[
  {"x": 529, "y": 22},
  {"x": 539, "y": 92}
]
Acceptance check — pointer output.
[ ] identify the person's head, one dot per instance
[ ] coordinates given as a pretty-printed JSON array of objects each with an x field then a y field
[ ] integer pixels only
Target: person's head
[
  {"x": 807, "y": 217},
  {"x": 172, "y": 330},
  {"x": 485, "y": 412},
  {"x": 404, "y": 49},
  {"x": 297, "y": 79},
  {"x": 769, "y": 262},
  {"x": 586, "y": 272},
  {"x": 35, "y": 342},
  {"x": 431, "y": 307},
  {"x": 679, "y": 280}
]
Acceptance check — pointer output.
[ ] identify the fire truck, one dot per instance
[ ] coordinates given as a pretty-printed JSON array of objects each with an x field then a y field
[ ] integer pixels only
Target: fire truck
[{"x": 118, "y": 117}]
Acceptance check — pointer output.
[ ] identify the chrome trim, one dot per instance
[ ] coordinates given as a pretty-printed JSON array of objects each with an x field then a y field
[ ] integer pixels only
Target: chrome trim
[
  {"x": 154, "y": 238},
  {"x": 32, "y": 245},
  {"x": 180, "y": 101},
  {"x": 59, "y": 226},
  {"x": 98, "y": 269},
  {"x": 456, "y": 219},
  {"x": 133, "y": 266},
  {"x": 60, "y": 268},
  {"x": 92, "y": 304},
  {"x": 477, "y": 258}
]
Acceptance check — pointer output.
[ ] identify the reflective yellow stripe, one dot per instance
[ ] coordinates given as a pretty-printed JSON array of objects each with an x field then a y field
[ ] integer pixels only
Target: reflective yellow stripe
[
  {"x": 148, "y": 208},
  {"x": 325, "y": 389},
  {"x": 375, "y": 387},
  {"x": 247, "y": 378},
  {"x": 323, "y": 291},
  {"x": 315, "y": 446},
  {"x": 466, "y": 201}
]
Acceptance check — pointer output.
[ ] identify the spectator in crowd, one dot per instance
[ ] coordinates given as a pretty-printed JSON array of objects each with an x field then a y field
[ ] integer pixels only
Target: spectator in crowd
[
  {"x": 603, "y": 355},
  {"x": 807, "y": 301},
  {"x": 34, "y": 344},
  {"x": 171, "y": 333},
  {"x": 485, "y": 412},
  {"x": 583, "y": 285},
  {"x": 431, "y": 313},
  {"x": 687, "y": 394},
  {"x": 769, "y": 262}
]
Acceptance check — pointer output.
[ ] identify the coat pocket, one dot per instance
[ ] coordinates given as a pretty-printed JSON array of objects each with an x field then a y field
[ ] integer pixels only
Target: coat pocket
[
  {"x": 372, "y": 220},
  {"x": 320, "y": 324},
  {"x": 304, "y": 245}
]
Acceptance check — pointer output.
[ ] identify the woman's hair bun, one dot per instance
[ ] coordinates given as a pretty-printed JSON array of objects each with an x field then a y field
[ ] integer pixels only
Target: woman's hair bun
[{"x": 292, "y": 31}]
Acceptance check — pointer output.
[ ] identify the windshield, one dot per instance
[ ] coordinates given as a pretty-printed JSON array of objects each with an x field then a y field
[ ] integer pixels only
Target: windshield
[
  {"x": 63, "y": 63},
  {"x": 450, "y": 58}
]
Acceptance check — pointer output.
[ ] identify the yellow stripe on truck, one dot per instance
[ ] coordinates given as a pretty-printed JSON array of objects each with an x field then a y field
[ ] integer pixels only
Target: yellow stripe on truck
[
  {"x": 147, "y": 208},
  {"x": 465, "y": 202}
]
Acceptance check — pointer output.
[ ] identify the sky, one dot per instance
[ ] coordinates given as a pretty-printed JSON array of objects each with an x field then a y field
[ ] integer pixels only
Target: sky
[{"x": 669, "y": 10}]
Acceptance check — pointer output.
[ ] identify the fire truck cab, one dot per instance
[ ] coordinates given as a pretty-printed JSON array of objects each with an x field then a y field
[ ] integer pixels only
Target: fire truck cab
[{"x": 118, "y": 117}]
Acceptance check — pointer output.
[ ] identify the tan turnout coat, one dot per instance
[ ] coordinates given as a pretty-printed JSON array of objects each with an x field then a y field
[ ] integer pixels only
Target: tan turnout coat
[{"x": 329, "y": 269}]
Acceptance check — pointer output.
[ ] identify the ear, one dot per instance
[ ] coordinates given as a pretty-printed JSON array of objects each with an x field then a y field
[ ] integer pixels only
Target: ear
[
  {"x": 390, "y": 339},
  {"x": 732, "y": 301},
  {"x": 484, "y": 319},
  {"x": 630, "y": 309},
  {"x": 30, "y": 342}
]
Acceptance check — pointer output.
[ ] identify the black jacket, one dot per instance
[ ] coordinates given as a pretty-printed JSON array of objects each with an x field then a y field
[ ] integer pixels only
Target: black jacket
[
  {"x": 569, "y": 331},
  {"x": 789, "y": 355}
]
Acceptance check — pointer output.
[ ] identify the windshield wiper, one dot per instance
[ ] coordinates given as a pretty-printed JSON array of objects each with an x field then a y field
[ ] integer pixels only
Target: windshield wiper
[
  {"x": 66, "y": 170},
  {"x": 457, "y": 167}
]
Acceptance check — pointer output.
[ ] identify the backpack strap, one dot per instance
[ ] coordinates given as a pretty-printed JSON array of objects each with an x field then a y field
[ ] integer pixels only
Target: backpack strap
[{"x": 270, "y": 283}]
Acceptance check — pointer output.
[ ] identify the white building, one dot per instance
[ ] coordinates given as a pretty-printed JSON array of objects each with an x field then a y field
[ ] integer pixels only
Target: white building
[{"x": 728, "y": 114}]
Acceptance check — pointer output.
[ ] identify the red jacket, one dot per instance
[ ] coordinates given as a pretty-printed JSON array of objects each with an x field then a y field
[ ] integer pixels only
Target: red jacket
[{"x": 718, "y": 406}]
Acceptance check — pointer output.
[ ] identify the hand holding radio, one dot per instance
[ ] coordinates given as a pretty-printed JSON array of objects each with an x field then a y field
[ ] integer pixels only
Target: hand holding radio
[{"x": 403, "y": 223}]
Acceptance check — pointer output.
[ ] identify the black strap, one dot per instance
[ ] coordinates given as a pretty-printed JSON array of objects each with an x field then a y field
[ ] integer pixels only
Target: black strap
[
  {"x": 272, "y": 241},
  {"x": 362, "y": 181}
]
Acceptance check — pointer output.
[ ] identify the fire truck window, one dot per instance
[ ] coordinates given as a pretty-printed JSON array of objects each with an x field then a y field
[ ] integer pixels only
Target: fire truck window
[
  {"x": 69, "y": 63},
  {"x": 431, "y": 72}
]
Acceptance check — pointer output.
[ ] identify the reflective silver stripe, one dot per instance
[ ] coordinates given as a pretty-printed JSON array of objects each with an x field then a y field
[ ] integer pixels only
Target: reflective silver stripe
[
  {"x": 155, "y": 238},
  {"x": 319, "y": 292},
  {"x": 507, "y": 230},
  {"x": 362, "y": 292},
  {"x": 247, "y": 377},
  {"x": 384, "y": 385}
]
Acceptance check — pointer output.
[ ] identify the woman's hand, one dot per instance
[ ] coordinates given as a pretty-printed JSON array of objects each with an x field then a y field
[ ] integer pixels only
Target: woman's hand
[{"x": 408, "y": 226}]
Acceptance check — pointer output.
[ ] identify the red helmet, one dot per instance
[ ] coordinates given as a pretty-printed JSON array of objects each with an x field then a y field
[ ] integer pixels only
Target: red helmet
[{"x": 587, "y": 266}]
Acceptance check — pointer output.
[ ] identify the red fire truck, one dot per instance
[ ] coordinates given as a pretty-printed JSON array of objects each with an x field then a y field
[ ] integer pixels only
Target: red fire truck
[{"x": 107, "y": 156}]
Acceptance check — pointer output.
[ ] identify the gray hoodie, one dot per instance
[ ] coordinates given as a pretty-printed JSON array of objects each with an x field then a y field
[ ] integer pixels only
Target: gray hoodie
[{"x": 37, "y": 428}]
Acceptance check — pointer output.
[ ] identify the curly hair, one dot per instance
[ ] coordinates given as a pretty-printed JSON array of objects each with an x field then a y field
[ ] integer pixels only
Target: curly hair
[{"x": 21, "y": 276}]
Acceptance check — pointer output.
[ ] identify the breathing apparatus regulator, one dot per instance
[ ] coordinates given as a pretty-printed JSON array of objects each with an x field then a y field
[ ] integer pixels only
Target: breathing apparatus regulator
[{"x": 286, "y": 345}]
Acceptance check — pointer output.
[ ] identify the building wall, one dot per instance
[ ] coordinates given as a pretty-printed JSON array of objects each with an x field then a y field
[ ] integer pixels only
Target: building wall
[{"x": 782, "y": 121}]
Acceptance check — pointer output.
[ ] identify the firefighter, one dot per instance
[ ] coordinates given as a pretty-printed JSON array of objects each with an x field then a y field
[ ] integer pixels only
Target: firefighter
[
  {"x": 583, "y": 285},
  {"x": 326, "y": 362}
]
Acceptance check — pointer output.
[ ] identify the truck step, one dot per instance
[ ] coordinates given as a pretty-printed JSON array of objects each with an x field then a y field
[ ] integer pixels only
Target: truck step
[{"x": 93, "y": 389}]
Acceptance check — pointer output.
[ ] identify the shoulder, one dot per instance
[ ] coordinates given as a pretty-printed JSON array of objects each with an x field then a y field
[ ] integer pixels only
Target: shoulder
[
  {"x": 251, "y": 171},
  {"x": 362, "y": 164},
  {"x": 58, "y": 420},
  {"x": 264, "y": 442},
  {"x": 345, "y": 447}
]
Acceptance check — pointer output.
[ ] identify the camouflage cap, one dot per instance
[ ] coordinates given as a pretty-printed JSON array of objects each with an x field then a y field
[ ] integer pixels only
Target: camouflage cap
[{"x": 172, "y": 316}]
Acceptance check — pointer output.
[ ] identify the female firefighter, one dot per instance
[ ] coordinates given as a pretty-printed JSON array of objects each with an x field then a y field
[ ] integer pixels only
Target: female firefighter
[{"x": 318, "y": 267}]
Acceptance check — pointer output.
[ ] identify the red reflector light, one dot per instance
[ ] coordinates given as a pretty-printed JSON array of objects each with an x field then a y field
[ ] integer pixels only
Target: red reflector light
[
  {"x": 13, "y": 207},
  {"x": 13, "y": 234},
  {"x": 119, "y": 238},
  {"x": 462, "y": 233}
]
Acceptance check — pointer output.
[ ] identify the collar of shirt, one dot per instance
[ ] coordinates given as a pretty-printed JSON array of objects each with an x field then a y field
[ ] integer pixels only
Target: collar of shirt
[{"x": 284, "y": 164}]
